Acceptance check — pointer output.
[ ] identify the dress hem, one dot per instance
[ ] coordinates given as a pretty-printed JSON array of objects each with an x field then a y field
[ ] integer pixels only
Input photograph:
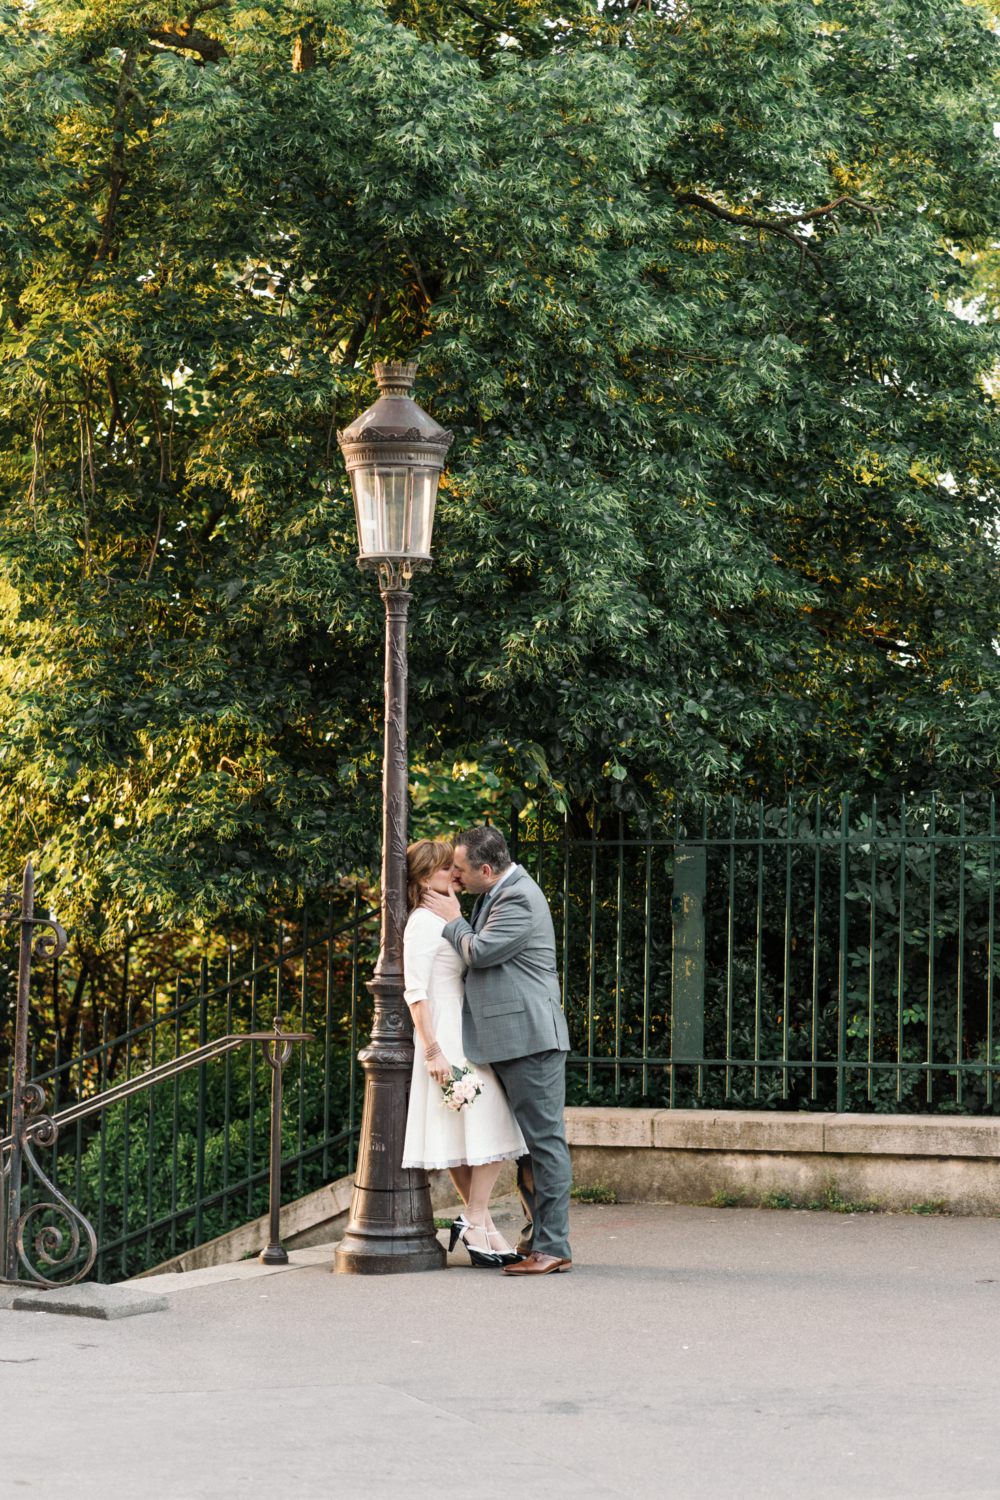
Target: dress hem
[{"x": 462, "y": 1161}]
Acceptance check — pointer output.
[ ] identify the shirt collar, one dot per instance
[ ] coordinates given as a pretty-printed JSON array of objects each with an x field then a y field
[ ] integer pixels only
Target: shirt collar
[{"x": 498, "y": 883}]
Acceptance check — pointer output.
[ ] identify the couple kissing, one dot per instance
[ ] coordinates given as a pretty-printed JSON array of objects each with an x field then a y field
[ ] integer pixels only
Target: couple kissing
[{"x": 489, "y": 1074}]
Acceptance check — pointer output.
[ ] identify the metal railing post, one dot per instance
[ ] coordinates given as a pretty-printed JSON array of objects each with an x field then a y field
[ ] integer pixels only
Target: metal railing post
[{"x": 276, "y": 1056}]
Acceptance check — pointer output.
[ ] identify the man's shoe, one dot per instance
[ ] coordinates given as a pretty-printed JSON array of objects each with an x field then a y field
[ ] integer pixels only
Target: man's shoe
[{"x": 537, "y": 1264}]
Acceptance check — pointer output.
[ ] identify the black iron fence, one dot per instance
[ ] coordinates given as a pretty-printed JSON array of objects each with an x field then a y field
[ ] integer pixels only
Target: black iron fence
[
  {"x": 826, "y": 954},
  {"x": 821, "y": 955}
]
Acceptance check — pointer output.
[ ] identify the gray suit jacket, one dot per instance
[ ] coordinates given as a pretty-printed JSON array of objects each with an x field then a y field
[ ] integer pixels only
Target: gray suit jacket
[{"x": 512, "y": 1000}]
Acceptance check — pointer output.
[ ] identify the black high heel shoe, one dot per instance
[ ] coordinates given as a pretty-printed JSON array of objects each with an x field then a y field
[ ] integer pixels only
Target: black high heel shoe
[
  {"x": 477, "y": 1257},
  {"x": 508, "y": 1257}
]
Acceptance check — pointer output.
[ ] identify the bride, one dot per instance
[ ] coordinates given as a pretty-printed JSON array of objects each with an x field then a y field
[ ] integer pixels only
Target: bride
[{"x": 472, "y": 1142}]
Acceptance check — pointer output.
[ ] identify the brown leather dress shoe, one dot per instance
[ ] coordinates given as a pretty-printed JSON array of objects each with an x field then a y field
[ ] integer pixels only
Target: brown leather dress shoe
[{"x": 537, "y": 1264}]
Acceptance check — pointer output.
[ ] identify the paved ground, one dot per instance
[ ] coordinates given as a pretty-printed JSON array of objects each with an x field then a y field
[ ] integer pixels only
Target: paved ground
[{"x": 691, "y": 1353}]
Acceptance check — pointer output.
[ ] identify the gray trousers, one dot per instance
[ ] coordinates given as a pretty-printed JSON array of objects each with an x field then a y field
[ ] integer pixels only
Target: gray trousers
[{"x": 536, "y": 1090}]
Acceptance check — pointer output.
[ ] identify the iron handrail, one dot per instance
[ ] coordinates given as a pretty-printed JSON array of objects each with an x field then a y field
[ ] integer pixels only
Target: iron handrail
[{"x": 160, "y": 1074}]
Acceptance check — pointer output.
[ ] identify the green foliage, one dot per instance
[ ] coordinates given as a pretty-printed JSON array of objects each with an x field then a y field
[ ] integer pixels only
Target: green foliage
[
  {"x": 776, "y": 1200},
  {"x": 594, "y": 1192},
  {"x": 720, "y": 505},
  {"x": 725, "y": 1199},
  {"x": 444, "y": 800},
  {"x": 832, "y": 1202}
]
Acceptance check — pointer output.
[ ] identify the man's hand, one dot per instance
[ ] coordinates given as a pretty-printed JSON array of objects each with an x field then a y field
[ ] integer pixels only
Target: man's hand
[{"x": 442, "y": 906}]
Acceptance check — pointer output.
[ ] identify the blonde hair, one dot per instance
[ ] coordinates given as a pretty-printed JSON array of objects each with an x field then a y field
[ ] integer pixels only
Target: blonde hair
[{"x": 422, "y": 859}]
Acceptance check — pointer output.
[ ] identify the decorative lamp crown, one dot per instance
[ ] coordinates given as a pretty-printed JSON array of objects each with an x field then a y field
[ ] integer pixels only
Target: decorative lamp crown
[{"x": 394, "y": 453}]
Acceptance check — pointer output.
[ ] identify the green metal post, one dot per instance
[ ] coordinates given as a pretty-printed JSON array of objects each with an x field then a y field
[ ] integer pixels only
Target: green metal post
[
  {"x": 687, "y": 1011},
  {"x": 227, "y": 1084},
  {"x": 960, "y": 997},
  {"x": 593, "y": 950},
  {"x": 647, "y": 916},
  {"x": 199, "y": 1159},
  {"x": 128, "y": 1132},
  {"x": 758, "y": 954},
  {"x": 845, "y": 828},
  {"x": 814, "y": 1038},
  {"x": 302, "y": 1051},
  {"x": 730, "y": 946},
  {"x": 871, "y": 942},
  {"x": 901, "y": 975},
  {"x": 931, "y": 920},
  {"x": 786, "y": 1000},
  {"x": 990, "y": 954},
  {"x": 618, "y": 954}
]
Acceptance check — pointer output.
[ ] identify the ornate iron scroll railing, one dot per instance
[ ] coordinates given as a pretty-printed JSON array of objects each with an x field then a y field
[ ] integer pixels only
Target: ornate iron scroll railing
[
  {"x": 31, "y": 1127},
  {"x": 164, "y": 1140}
]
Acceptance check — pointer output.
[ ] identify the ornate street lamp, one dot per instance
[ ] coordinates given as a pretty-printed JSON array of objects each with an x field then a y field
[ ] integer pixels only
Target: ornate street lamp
[{"x": 394, "y": 453}]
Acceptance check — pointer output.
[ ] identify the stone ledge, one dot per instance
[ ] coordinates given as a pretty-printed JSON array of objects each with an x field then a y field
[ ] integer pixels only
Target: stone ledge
[
  {"x": 736, "y": 1130},
  {"x": 586, "y": 1126},
  {"x": 765, "y": 1130},
  {"x": 913, "y": 1135},
  {"x": 91, "y": 1299}
]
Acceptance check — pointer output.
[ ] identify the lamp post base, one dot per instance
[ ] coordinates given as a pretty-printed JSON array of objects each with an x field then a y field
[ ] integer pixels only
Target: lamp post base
[
  {"x": 274, "y": 1255},
  {"x": 371, "y": 1254},
  {"x": 391, "y": 1230}
]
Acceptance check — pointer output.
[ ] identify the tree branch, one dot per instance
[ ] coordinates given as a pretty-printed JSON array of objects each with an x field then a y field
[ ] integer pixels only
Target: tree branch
[
  {"x": 360, "y": 329},
  {"x": 303, "y": 54},
  {"x": 751, "y": 221},
  {"x": 170, "y": 35},
  {"x": 416, "y": 272},
  {"x": 116, "y": 412},
  {"x": 205, "y": 533},
  {"x": 119, "y": 176},
  {"x": 200, "y": 10},
  {"x": 482, "y": 20}
]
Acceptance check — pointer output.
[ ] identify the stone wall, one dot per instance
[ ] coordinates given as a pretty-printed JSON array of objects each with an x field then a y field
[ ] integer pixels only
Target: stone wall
[{"x": 689, "y": 1155}]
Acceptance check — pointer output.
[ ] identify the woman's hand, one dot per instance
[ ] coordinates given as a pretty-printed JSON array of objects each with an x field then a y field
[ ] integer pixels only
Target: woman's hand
[{"x": 439, "y": 1068}]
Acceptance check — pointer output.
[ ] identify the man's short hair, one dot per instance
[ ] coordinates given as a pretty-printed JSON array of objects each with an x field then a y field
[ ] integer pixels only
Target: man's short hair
[{"x": 485, "y": 845}]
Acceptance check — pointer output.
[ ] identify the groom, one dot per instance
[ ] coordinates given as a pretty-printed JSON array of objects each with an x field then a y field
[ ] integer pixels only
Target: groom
[{"x": 512, "y": 1019}]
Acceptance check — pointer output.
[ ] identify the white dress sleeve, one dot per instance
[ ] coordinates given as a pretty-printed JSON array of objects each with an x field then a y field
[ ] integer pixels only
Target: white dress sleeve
[{"x": 421, "y": 941}]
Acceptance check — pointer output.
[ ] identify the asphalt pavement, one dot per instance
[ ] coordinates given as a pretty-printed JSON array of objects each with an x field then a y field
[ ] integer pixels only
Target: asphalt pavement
[{"x": 691, "y": 1353}]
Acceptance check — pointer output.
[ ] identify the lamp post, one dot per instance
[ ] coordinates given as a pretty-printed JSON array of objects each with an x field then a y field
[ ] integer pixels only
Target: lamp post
[{"x": 394, "y": 454}]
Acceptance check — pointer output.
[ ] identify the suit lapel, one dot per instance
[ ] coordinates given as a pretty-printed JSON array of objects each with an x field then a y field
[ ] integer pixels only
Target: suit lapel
[{"x": 482, "y": 902}]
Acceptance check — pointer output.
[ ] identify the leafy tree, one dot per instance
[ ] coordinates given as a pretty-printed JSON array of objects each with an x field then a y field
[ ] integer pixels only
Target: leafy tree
[{"x": 720, "y": 507}]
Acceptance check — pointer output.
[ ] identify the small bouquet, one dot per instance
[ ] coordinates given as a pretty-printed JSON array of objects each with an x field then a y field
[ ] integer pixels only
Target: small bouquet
[{"x": 462, "y": 1088}]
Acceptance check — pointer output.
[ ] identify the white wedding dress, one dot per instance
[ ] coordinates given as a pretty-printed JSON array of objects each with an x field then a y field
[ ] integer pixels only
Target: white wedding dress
[{"x": 435, "y": 1136}]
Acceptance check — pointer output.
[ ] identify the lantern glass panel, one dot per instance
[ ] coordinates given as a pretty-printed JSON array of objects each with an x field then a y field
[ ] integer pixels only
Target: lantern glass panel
[
  {"x": 395, "y": 509},
  {"x": 392, "y": 486},
  {"x": 366, "y": 509},
  {"x": 425, "y": 483}
]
